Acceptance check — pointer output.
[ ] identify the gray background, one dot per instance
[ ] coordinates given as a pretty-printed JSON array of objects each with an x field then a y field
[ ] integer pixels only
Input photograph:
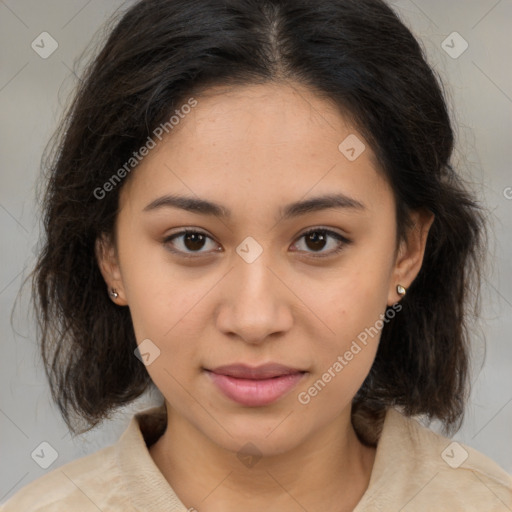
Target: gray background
[{"x": 33, "y": 93}]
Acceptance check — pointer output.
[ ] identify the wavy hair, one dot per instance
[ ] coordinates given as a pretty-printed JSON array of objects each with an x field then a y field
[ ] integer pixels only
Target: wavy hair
[{"x": 356, "y": 53}]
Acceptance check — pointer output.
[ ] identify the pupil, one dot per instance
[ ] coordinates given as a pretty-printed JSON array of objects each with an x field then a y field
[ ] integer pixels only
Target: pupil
[
  {"x": 197, "y": 241},
  {"x": 315, "y": 237}
]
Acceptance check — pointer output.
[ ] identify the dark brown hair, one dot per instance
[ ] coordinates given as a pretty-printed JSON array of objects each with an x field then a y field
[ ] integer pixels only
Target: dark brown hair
[{"x": 358, "y": 54}]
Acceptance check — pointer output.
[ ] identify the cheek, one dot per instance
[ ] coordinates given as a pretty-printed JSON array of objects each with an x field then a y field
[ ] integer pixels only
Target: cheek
[
  {"x": 350, "y": 315},
  {"x": 167, "y": 307},
  {"x": 352, "y": 303},
  {"x": 154, "y": 290},
  {"x": 344, "y": 359}
]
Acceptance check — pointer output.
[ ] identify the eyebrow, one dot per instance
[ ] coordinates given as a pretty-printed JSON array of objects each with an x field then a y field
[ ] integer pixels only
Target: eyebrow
[{"x": 204, "y": 207}]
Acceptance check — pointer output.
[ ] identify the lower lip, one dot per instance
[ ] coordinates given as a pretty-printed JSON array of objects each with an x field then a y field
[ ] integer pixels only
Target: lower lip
[{"x": 253, "y": 392}]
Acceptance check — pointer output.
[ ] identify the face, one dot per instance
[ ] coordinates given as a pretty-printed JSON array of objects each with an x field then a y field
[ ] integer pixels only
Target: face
[{"x": 269, "y": 281}]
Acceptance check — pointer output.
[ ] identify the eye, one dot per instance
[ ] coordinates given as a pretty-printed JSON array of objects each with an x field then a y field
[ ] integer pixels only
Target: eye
[
  {"x": 317, "y": 239},
  {"x": 192, "y": 241}
]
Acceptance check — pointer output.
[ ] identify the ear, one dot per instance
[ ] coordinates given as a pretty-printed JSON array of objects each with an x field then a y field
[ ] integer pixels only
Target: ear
[
  {"x": 106, "y": 256},
  {"x": 410, "y": 253}
]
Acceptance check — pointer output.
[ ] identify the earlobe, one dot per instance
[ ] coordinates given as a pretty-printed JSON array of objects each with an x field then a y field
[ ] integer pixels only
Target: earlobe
[
  {"x": 106, "y": 257},
  {"x": 410, "y": 255}
]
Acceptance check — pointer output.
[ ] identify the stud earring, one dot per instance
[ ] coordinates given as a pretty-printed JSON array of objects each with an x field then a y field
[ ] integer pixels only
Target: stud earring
[
  {"x": 113, "y": 293},
  {"x": 401, "y": 290}
]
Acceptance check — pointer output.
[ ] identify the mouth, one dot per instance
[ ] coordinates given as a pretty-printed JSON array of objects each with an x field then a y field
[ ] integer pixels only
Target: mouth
[
  {"x": 255, "y": 386},
  {"x": 266, "y": 371}
]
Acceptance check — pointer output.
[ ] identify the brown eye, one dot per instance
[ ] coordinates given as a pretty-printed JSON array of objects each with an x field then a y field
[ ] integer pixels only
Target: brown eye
[
  {"x": 194, "y": 241},
  {"x": 317, "y": 239},
  {"x": 191, "y": 242}
]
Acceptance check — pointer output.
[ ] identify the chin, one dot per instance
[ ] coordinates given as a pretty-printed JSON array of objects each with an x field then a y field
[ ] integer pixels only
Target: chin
[{"x": 267, "y": 437}]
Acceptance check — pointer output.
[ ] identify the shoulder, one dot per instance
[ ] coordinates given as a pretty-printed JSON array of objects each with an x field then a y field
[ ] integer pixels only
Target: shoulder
[
  {"x": 118, "y": 478},
  {"x": 420, "y": 469},
  {"x": 83, "y": 485}
]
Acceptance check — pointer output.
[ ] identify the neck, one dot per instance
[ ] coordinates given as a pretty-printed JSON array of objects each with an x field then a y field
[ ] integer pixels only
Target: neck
[{"x": 330, "y": 470}]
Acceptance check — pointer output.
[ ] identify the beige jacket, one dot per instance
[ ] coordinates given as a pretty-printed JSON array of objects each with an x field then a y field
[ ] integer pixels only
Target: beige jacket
[{"x": 415, "y": 469}]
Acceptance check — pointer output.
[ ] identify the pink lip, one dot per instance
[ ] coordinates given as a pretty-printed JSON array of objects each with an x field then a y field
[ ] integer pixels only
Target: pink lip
[
  {"x": 265, "y": 371},
  {"x": 255, "y": 392},
  {"x": 255, "y": 386}
]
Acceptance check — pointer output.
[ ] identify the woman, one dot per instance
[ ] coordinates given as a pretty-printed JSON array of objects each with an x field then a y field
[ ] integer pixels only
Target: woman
[{"x": 253, "y": 210}]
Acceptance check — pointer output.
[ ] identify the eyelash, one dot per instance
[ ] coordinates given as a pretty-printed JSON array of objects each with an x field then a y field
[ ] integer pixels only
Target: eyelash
[{"x": 344, "y": 241}]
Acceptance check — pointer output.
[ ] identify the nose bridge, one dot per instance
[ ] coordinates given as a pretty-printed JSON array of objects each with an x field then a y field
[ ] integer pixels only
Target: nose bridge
[
  {"x": 255, "y": 282},
  {"x": 254, "y": 307}
]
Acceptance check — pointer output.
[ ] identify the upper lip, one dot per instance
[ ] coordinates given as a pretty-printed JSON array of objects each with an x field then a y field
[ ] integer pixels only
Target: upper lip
[{"x": 265, "y": 371}]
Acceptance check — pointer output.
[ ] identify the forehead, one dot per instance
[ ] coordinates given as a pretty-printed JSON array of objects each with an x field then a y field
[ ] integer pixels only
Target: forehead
[
  {"x": 261, "y": 142},
  {"x": 269, "y": 114}
]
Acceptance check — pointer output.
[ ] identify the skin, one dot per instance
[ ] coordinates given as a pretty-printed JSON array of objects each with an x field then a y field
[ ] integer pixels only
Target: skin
[{"x": 254, "y": 149}]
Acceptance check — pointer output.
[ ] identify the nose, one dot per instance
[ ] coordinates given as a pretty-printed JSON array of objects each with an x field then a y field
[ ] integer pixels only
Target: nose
[{"x": 256, "y": 302}]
